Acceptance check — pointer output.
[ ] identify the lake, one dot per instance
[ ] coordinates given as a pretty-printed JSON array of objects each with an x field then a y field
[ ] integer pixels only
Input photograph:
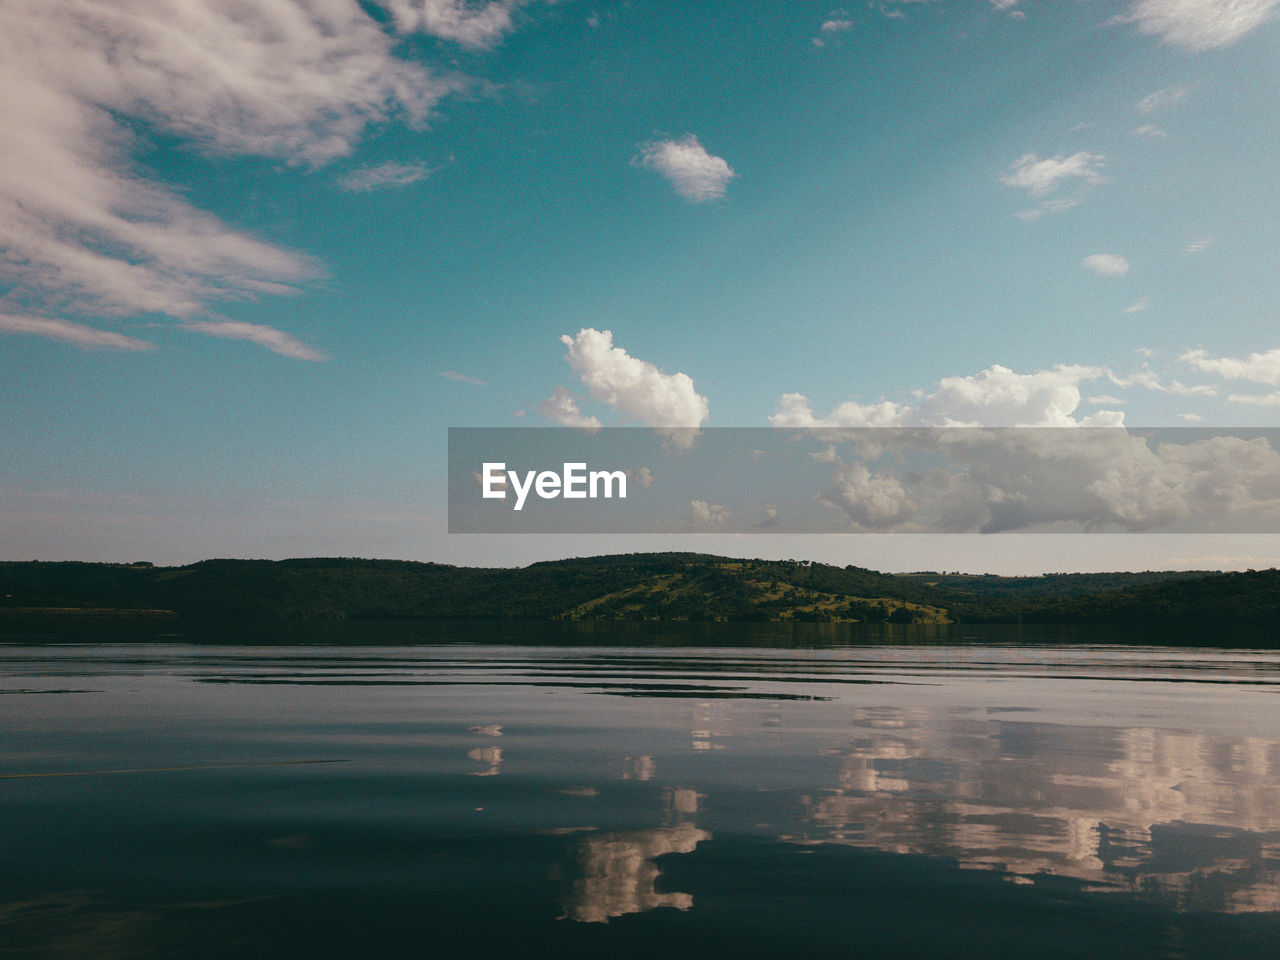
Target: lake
[{"x": 624, "y": 790}]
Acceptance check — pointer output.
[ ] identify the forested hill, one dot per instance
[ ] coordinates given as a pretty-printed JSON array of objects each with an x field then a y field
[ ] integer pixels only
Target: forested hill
[{"x": 650, "y": 586}]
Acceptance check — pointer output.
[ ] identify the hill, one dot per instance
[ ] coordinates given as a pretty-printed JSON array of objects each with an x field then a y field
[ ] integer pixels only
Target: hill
[{"x": 649, "y": 586}]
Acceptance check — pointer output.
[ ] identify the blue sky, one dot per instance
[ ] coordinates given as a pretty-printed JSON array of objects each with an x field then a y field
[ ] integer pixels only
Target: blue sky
[{"x": 258, "y": 257}]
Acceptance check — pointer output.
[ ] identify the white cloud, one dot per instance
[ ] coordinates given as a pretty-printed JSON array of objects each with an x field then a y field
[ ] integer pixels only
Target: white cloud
[
  {"x": 1136, "y": 307},
  {"x": 996, "y": 480},
  {"x": 1166, "y": 97},
  {"x": 277, "y": 341},
  {"x": 457, "y": 20},
  {"x": 1039, "y": 177},
  {"x": 1199, "y": 25},
  {"x": 1056, "y": 205},
  {"x": 461, "y": 378},
  {"x": 635, "y": 388},
  {"x": 73, "y": 333},
  {"x": 705, "y": 514},
  {"x": 1106, "y": 264},
  {"x": 1105, "y": 399},
  {"x": 641, "y": 475},
  {"x": 1190, "y": 417},
  {"x": 1199, "y": 246},
  {"x": 562, "y": 407},
  {"x": 996, "y": 397},
  {"x": 1148, "y": 379},
  {"x": 1149, "y": 130},
  {"x": 1256, "y": 399},
  {"x": 871, "y": 501},
  {"x": 696, "y": 175},
  {"x": 384, "y": 175},
  {"x": 836, "y": 26},
  {"x": 83, "y": 231},
  {"x": 1257, "y": 367}
]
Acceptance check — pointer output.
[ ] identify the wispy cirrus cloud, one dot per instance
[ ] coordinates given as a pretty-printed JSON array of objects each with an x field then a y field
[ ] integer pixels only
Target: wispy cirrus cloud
[
  {"x": 84, "y": 232},
  {"x": 1160, "y": 99},
  {"x": 462, "y": 378},
  {"x": 1148, "y": 379},
  {"x": 469, "y": 24},
  {"x": 277, "y": 341},
  {"x": 1041, "y": 177},
  {"x": 696, "y": 175},
  {"x": 66, "y": 331},
  {"x": 1198, "y": 25},
  {"x": 384, "y": 176}
]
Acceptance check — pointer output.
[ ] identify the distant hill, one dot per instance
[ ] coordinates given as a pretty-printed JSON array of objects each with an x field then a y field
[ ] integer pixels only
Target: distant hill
[{"x": 645, "y": 586}]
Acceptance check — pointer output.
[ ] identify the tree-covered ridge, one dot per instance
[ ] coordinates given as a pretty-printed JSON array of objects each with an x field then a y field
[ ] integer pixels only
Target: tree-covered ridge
[{"x": 646, "y": 586}]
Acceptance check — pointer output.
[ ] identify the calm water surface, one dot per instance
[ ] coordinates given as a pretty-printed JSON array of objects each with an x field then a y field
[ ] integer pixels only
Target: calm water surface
[{"x": 873, "y": 799}]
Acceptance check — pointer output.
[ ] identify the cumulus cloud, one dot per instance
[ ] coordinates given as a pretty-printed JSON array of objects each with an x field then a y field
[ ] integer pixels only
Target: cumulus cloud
[
  {"x": 705, "y": 514},
  {"x": 84, "y": 232},
  {"x": 1106, "y": 264},
  {"x": 642, "y": 476},
  {"x": 1160, "y": 99},
  {"x": 695, "y": 174},
  {"x": 871, "y": 501},
  {"x": 996, "y": 397},
  {"x": 74, "y": 333},
  {"x": 562, "y": 407},
  {"x": 1257, "y": 367},
  {"x": 836, "y": 26},
  {"x": 1039, "y": 177},
  {"x": 635, "y": 388},
  {"x": 277, "y": 341},
  {"x": 1199, "y": 25},
  {"x": 383, "y": 176},
  {"x": 1003, "y": 480}
]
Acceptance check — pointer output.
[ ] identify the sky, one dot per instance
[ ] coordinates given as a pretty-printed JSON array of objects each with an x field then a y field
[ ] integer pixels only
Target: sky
[{"x": 257, "y": 257}]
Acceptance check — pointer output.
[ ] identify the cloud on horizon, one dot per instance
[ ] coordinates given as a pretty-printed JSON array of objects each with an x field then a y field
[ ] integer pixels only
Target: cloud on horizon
[{"x": 996, "y": 397}]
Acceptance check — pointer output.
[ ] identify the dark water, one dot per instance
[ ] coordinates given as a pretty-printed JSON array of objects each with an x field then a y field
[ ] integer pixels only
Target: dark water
[{"x": 773, "y": 798}]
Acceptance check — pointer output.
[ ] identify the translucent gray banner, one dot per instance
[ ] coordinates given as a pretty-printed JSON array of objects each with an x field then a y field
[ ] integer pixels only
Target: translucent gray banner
[{"x": 953, "y": 480}]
